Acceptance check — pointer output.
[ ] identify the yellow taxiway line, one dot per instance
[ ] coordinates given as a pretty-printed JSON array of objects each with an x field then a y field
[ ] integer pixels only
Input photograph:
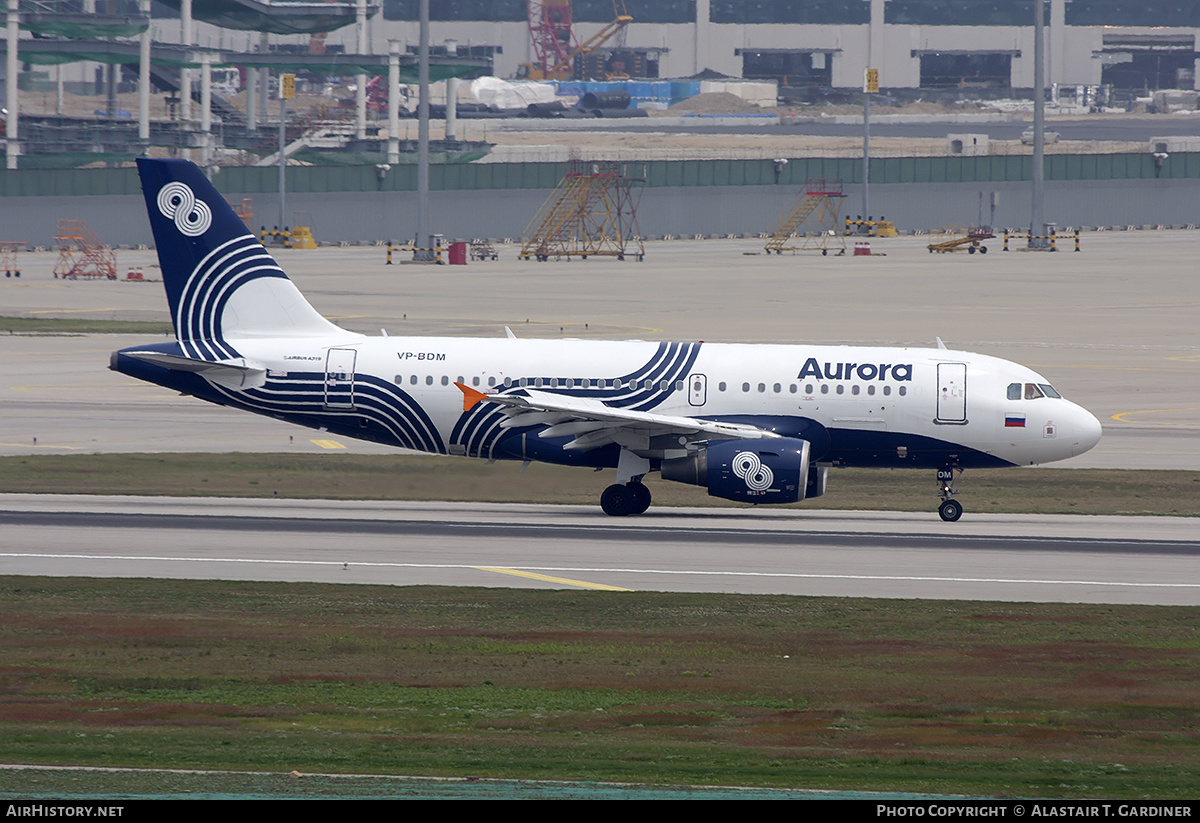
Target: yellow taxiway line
[{"x": 565, "y": 581}]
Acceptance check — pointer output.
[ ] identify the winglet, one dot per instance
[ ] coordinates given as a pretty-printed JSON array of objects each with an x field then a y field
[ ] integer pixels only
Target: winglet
[{"x": 470, "y": 396}]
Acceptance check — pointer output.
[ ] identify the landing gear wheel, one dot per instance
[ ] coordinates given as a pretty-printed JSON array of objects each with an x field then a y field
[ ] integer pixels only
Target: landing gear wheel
[
  {"x": 641, "y": 498},
  {"x": 950, "y": 510},
  {"x": 618, "y": 500}
]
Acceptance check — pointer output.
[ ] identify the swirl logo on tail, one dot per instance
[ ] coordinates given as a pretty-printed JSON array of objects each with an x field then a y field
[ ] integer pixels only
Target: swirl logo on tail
[{"x": 178, "y": 203}]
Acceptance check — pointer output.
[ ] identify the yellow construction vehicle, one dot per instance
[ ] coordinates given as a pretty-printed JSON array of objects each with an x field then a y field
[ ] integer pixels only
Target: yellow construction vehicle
[{"x": 961, "y": 236}]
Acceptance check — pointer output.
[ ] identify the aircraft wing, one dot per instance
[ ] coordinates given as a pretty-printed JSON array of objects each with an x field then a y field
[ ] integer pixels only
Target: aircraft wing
[{"x": 594, "y": 423}]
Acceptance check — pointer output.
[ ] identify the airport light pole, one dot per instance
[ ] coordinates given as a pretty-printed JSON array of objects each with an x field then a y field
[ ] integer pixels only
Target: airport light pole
[
  {"x": 423, "y": 140},
  {"x": 870, "y": 86},
  {"x": 287, "y": 89},
  {"x": 12, "y": 147},
  {"x": 1037, "y": 223}
]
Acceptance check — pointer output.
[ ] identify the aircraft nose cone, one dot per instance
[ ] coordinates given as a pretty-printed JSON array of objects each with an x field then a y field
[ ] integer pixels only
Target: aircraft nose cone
[{"x": 1087, "y": 432}]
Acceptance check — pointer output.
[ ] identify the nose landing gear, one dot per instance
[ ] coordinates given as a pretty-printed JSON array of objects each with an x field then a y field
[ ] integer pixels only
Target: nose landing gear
[{"x": 949, "y": 509}]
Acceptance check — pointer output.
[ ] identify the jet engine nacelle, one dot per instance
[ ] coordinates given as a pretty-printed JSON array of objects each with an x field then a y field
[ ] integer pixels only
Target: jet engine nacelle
[{"x": 772, "y": 470}]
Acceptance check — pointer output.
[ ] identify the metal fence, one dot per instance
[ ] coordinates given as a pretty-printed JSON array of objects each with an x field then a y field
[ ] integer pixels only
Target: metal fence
[{"x": 659, "y": 173}]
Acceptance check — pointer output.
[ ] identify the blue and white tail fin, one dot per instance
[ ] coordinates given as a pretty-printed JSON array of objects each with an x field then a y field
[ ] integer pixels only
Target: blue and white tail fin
[{"x": 222, "y": 286}]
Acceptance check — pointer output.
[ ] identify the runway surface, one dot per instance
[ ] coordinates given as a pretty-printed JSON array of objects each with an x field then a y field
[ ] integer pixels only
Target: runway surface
[
  {"x": 1043, "y": 558},
  {"x": 1112, "y": 327}
]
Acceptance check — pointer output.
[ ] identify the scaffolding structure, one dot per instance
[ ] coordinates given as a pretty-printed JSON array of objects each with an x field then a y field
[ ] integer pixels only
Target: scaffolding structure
[
  {"x": 81, "y": 254},
  {"x": 8, "y": 257},
  {"x": 245, "y": 210},
  {"x": 593, "y": 211},
  {"x": 811, "y": 221}
]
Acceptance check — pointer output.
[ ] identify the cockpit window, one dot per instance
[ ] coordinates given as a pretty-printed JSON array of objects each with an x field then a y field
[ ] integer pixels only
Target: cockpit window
[
  {"x": 1014, "y": 391},
  {"x": 1034, "y": 390}
]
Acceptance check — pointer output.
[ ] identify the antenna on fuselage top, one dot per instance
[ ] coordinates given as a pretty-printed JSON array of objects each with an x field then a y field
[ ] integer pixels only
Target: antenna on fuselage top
[
  {"x": 508, "y": 331},
  {"x": 941, "y": 345}
]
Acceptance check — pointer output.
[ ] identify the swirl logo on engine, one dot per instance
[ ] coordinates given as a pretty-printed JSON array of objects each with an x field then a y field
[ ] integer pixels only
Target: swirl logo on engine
[{"x": 749, "y": 467}]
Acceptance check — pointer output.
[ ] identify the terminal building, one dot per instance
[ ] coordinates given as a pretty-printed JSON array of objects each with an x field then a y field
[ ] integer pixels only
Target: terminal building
[
  {"x": 915, "y": 44},
  {"x": 1138, "y": 45},
  {"x": 810, "y": 48}
]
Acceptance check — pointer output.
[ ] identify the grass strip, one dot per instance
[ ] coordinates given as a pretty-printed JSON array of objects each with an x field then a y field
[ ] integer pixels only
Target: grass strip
[
  {"x": 994, "y": 699},
  {"x": 79, "y": 325},
  {"x": 426, "y": 477}
]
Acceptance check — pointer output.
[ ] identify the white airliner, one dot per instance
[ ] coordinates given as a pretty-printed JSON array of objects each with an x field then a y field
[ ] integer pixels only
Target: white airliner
[{"x": 756, "y": 423}]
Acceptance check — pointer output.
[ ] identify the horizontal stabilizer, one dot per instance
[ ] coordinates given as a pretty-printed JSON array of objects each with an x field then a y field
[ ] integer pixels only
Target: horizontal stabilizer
[{"x": 237, "y": 373}]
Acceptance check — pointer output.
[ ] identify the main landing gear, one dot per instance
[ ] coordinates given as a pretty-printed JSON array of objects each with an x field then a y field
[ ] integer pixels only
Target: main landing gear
[
  {"x": 619, "y": 500},
  {"x": 949, "y": 509}
]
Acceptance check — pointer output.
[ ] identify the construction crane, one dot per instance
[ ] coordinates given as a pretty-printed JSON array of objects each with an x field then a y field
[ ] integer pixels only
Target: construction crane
[{"x": 554, "y": 45}]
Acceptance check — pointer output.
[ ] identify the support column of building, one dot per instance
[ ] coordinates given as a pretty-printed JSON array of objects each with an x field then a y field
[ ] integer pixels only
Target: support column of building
[
  {"x": 12, "y": 146},
  {"x": 264, "y": 82},
  {"x": 251, "y": 99},
  {"x": 185, "y": 75},
  {"x": 451, "y": 96},
  {"x": 700, "y": 37},
  {"x": 144, "y": 80},
  {"x": 393, "y": 101},
  {"x": 206, "y": 151},
  {"x": 452, "y": 108},
  {"x": 360, "y": 79},
  {"x": 1056, "y": 51}
]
